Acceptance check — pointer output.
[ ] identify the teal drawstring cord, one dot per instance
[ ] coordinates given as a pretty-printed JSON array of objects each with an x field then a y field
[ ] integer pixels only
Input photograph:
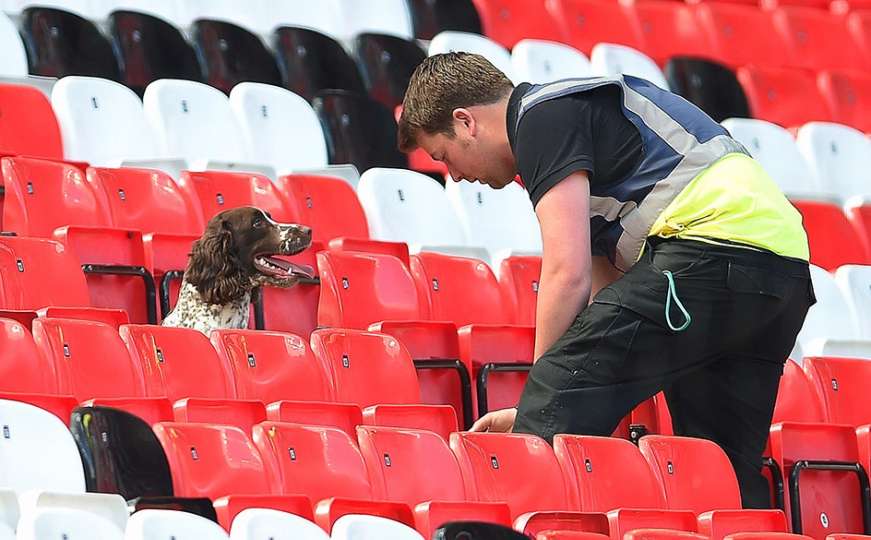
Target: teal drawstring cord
[{"x": 672, "y": 293}]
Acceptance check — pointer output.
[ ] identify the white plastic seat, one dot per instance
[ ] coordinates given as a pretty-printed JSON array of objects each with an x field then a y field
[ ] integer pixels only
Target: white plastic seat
[
  {"x": 6, "y": 532},
  {"x": 450, "y": 41},
  {"x": 230, "y": 11},
  {"x": 13, "y": 61},
  {"x": 166, "y": 524},
  {"x": 279, "y": 127},
  {"x": 538, "y": 61},
  {"x": 110, "y": 507},
  {"x": 855, "y": 284},
  {"x": 839, "y": 157},
  {"x": 37, "y": 451},
  {"x": 774, "y": 148},
  {"x": 846, "y": 348},
  {"x": 324, "y": 16},
  {"x": 406, "y": 206},
  {"x": 501, "y": 220},
  {"x": 83, "y": 8},
  {"x": 612, "y": 59},
  {"x": 9, "y": 510},
  {"x": 376, "y": 17},
  {"x": 829, "y": 318},
  {"x": 66, "y": 524},
  {"x": 260, "y": 523},
  {"x": 194, "y": 121},
  {"x": 359, "y": 527},
  {"x": 101, "y": 121}
]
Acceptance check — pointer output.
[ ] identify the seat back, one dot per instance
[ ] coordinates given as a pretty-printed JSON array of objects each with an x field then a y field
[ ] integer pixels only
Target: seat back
[
  {"x": 833, "y": 241},
  {"x": 855, "y": 284},
  {"x": 272, "y": 366},
  {"x": 404, "y": 206},
  {"x": 363, "y": 527},
  {"x": 390, "y": 17},
  {"x": 841, "y": 384},
  {"x": 797, "y": 397},
  {"x": 709, "y": 85},
  {"x": 232, "y": 55},
  {"x": 669, "y": 30},
  {"x": 42, "y": 196},
  {"x": 240, "y": 413},
  {"x": 223, "y": 190},
  {"x": 254, "y": 523},
  {"x": 39, "y": 452},
  {"x": 452, "y": 41},
  {"x": 521, "y": 470},
  {"x": 28, "y": 125},
  {"x": 398, "y": 458},
  {"x": 14, "y": 63},
  {"x": 460, "y": 289},
  {"x": 359, "y": 130},
  {"x": 540, "y": 61},
  {"x": 80, "y": 349},
  {"x": 173, "y": 361},
  {"x": 328, "y": 205},
  {"x": 28, "y": 275},
  {"x": 67, "y": 523},
  {"x": 193, "y": 121},
  {"x": 319, "y": 462},
  {"x": 589, "y": 22},
  {"x": 149, "y": 200},
  {"x": 279, "y": 127},
  {"x": 607, "y": 473},
  {"x": 150, "y": 48},
  {"x": 211, "y": 460},
  {"x": 358, "y": 289},
  {"x": 432, "y": 17},
  {"x": 739, "y": 32},
  {"x": 150, "y": 524},
  {"x": 508, "y": 22},
  {"x": 829, "y": 318},
  {"x": 615, "y": 59},
  {"x": 848, "y": 93},
  {"x": 814, "y": 38},
  {"x": 519, "y": 277},
  {"x": 101, "y": 121},
  {"x": 501, "y": 220},
  {"x": 683, "y": 465},
  {"x": 784, "y": 96},
  {"x": 63, "y": 43},
  {"x": 313, "y": 61},
  {"x": 366, "y": 367},
  {"x": 23, "y": 367},
  {"x": 836, "y": 153},
  {"x": 774, "y": 148},
  {"x": 387, "y": 63}
]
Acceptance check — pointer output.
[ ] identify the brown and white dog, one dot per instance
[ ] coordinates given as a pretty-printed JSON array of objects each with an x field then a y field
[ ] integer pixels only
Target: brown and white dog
[{"x": 234, "y": 256}]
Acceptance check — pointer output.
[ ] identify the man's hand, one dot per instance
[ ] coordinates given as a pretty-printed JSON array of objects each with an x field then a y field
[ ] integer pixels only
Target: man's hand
[{"x": 501, "y": 421}]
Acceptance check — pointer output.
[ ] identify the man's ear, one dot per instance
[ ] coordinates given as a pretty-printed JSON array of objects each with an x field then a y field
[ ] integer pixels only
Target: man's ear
[{"x": 464, "y": 119}]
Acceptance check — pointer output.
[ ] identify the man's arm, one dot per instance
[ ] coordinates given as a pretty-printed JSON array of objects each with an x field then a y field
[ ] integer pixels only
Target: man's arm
[{"x": 566, "y": 269}]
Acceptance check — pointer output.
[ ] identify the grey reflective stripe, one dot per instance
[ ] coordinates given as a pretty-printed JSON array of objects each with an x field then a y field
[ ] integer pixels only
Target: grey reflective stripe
[{"x": 637, "y": 220}]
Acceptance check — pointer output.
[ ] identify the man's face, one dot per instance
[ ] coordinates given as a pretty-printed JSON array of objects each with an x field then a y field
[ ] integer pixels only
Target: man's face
[{"x": 471, "y": 153}]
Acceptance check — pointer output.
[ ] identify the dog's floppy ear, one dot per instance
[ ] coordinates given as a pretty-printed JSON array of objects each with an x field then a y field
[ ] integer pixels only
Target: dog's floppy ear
[{"x": 214, "y": 265}]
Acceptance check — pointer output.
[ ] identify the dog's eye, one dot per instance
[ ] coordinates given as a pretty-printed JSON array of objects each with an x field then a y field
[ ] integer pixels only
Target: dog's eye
[{"x": 259, "y": 222}]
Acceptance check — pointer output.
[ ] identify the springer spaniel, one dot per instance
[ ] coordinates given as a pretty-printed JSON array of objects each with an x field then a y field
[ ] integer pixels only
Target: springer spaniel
[{"x": 234, "y": 256}]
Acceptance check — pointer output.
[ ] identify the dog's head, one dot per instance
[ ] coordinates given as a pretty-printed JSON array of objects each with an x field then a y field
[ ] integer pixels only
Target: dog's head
[{"x": 236, "y": 254}]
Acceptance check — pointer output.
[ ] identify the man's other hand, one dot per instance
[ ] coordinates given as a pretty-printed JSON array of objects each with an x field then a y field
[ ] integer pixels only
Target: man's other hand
[{"x": 500, "y": 421}]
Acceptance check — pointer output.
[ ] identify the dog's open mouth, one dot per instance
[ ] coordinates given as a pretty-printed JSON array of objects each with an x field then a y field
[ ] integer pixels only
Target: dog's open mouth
[{"x": 282, "y": 269}]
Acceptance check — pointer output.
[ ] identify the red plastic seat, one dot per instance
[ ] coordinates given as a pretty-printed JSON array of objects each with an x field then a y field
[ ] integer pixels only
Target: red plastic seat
[
  {"x": 342, "y": 416},
  {"x": 244, "y": 414},
  {"x": 683, "y": 465},
  {"x": 319, "y": 462},
  {"x": 150, "y": 410},
  {"x": 465, "y": 291},
  {"x": 784, "y": 96},
  {"x": 228, "y": 507},
  {"x": 113, "y": 317},
  {"x": 507, "y": 21},
  {"x": 740, "y": 34},
  {"x": 669, "y": 29},
  {"x": 328, "y": 205},
  {"x": 842, "y": 385},
  {"x": 27, "y": 123},
  {"x": 23, "y": 367},
  {"x": 833, "y": 240},
  {"x": 60, "y": 406},
  {"x": 438, "y": 419},
  {"x": 570, "y": 535},
  {"x": 661, "y": 534},
  {"x": 797, "y": 398},
  {"x": 859, "y": 26},
  {"x": 767, "y": 536},
  {"x": 588, "y": 22},
  {"x": 848, "y": 95},
  {"x": 271, "y": 366},
  {"x": 149, "y": 200},
  {"x": 396, "y": 249},
  {"x": 521, "y": 470},
  {"x": 860, "y": 218},
  {"x": 519, "y": 277},
  {"x": 815, "y": 39},
  {"x": 212, "y": 461},
  {"x": 366, "y": 367},
  {"x": 178, "y": 362},
  {"x": 165, "y": 253},
  {"x": 830, "y": 500},
  {"x": 89, "y": 358},
  {"x": 535, "y": 523},
  {"x": 222, "y": 190},
  {"x": 397, "y": 460},
  {"x": 294, "y": 309}
]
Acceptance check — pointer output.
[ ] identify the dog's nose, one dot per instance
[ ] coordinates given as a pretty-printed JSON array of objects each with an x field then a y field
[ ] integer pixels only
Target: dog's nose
[{"x": 305, "y": 233}]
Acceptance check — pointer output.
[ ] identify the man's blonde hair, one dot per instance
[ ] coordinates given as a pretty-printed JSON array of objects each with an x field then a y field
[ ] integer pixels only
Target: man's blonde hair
[{"x": 442, "y": 83}]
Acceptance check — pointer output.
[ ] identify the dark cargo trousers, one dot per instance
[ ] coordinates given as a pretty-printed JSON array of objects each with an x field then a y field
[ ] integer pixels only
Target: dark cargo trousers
[{"x": 720, "y": 374}]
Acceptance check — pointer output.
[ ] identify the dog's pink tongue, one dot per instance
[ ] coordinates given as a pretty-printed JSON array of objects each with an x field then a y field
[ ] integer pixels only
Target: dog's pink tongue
[{"x": 303, "y": 270}]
